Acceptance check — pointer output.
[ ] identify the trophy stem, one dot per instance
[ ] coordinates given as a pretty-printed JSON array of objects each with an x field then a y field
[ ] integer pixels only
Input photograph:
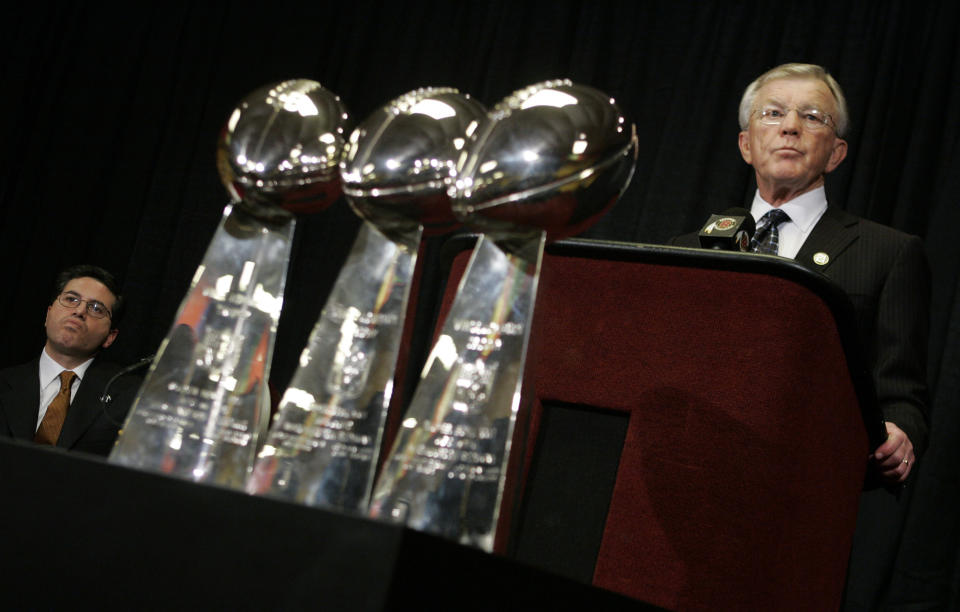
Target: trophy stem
[
  {"x": 220, "y": 407},
  {"x": 198, "y": 412},
  {"x": 323, "y": 446},
  {"x": 446, "y": 471}
]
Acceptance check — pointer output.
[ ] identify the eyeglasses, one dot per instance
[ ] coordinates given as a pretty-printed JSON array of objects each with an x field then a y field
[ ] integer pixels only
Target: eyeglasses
[
  {"x": 95, "y": 309},
  {"x": 812, "y": 118}
]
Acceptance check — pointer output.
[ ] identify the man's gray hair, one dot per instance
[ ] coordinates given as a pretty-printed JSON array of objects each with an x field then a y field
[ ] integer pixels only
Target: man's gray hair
[{"x": 792, "y": 71}]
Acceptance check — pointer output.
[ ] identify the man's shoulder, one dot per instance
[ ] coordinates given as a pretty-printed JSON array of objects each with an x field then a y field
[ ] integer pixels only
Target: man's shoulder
[
  {"x": 884, "y": 245},
  {"x": 102, "y": 365},
  {"x": 12, "y": 375},
  {"x": 874, "y": 235},
  {"x": 16, "y": 374},
  {"x": 869, "y": 228},
  {"x": 102, "y": 370}
]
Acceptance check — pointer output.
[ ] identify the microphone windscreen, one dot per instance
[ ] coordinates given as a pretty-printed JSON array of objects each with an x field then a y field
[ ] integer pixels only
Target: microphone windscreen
[
  {"x": 731, "y": 230},
  {"x": 748, "y": 223}
]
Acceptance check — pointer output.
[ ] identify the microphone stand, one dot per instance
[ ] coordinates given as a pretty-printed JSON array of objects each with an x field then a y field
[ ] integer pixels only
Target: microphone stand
[{"x": 105, "y": 398}]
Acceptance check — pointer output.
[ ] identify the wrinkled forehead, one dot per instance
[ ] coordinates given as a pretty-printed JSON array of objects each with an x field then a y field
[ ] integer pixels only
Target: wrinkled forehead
[
  {"x": 91, "y": 289},
  {"x": 796, "y": 92}
]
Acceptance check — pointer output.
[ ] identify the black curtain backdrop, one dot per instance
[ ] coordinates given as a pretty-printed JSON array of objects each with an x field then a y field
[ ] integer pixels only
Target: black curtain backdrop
[{"x": 109, "y": 121}]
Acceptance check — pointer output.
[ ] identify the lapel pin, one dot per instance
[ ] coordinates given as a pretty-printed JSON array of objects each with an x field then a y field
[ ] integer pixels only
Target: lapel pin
[{"x": 821, "y": 258}]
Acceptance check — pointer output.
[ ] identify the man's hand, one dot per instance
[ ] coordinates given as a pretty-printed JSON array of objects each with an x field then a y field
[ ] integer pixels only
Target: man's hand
[{"x": 895, "y": 457}]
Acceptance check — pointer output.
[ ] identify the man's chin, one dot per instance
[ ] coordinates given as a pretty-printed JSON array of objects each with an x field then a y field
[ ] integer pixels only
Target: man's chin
[
  {"x": 790, "y": 178},
  {"x": 787, "y": 172},
  {"x": 69, "y": 348}
]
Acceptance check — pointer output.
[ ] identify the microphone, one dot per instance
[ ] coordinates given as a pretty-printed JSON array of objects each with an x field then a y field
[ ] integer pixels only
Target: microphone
[
  {"x": 731, "y": 230},
  {"x": 105, "y": 397}
]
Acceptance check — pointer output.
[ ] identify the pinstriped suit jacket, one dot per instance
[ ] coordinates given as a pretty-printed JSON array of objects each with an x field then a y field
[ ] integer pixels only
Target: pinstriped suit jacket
[{"x": 886, "y": 275}]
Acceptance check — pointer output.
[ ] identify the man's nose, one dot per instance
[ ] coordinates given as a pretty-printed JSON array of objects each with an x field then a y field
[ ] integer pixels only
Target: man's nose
[
  {"x": 80, "y": 309},
  {"x": 791, "y": 122}
]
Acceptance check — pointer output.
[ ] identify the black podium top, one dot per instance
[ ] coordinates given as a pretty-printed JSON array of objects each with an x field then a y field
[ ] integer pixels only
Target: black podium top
[{"x": 82, "y": 532}]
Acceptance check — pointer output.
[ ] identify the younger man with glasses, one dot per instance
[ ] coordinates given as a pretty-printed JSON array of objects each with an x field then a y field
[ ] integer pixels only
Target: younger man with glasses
[{"x": 56, "y": 398}]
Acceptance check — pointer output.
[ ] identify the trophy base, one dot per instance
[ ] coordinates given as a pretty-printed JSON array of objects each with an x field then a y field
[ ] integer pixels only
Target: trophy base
[
  {"x": 323, "y": 447},
  {"x": 198, "y": 413},
  {"x": 446, "y": 472}
]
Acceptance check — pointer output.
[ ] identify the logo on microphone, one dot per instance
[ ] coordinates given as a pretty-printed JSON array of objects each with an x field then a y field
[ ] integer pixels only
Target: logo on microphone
[{"x": 721, "y": 225}]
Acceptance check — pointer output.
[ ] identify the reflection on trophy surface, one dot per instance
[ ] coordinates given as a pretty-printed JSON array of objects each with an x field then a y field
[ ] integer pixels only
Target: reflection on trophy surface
[
  {"x": 202, "y": 406},
  {"x": 545, "y": 164},
  {"x": 322, "y": 448}
]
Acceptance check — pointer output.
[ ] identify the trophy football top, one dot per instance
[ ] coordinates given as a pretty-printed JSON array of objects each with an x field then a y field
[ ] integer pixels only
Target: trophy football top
[
  {"x": 553, "y": 156},
  {"x": 400, "y": 161},
  {"x": 281, "y": 147}
]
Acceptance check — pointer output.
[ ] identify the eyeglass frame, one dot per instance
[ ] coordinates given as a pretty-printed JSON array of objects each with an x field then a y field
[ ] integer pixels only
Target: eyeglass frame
[
  {"x": 89, "y": 303},
  {"x": 826, "y": 121}
]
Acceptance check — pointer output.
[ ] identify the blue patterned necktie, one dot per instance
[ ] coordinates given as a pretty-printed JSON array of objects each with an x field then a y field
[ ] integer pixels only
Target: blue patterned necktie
[{"x": 766, "y": 240}]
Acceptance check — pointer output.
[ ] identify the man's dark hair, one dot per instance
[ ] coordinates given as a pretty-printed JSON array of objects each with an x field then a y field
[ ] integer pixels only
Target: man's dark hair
[{"x": 97, "y": 273}]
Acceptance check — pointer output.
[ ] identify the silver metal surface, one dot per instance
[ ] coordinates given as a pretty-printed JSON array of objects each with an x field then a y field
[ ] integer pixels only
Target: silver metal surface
[
  {"x": 198, "y": 413},
  {"x": 202, "y": 407},
  {"x": 323, "y": 447},
  {"x": 547, "y": 161},
  {"x": 282, "y": 145},
  {"x": 400, "y": 161},
  {"x": 446, "y": 471},
  {"x": 324, "y": 442},
  {"x": 553, "y": 156}
]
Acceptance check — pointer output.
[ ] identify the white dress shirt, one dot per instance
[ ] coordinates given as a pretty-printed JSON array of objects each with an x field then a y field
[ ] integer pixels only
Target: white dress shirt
[
  {"x": 804, "y": 212},
  {"x": 50, "y": 381}
]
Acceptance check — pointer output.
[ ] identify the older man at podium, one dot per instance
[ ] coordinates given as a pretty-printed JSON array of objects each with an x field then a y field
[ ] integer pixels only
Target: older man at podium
[{"x": 793, "y": 119}]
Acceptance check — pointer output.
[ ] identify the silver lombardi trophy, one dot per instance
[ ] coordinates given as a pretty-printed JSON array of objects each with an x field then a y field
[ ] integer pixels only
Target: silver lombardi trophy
[
  {"x": 203, "y": 403},
  {"x": 546, "y": 163},
  {"x": 323, "y": 446}
]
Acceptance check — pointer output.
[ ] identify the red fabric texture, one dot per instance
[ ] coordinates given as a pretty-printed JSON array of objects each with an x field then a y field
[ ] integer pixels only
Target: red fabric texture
[{"x": 745, "y": 453}]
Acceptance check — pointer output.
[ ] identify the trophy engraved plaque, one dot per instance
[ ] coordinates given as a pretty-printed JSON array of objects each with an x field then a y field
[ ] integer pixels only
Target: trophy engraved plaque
[
  {"x": 323, "y": 446},
  {"x": 202, "y": 406},
  {"x": 546, "y": 163}
]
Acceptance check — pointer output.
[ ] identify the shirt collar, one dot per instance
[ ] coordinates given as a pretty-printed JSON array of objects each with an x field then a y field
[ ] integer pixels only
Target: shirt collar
[
  {"x": 804, "y": 210},
  {"x": 50, "y": 369}
]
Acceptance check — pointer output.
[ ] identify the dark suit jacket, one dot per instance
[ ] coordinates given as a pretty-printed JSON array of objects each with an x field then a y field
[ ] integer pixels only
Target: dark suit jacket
[
  {"x": 886, "y": 276},
  {"x": 86, "y": 427}
]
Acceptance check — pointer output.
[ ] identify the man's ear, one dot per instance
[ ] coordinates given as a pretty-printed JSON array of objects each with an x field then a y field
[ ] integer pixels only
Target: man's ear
[
  {"x": 110, "y": 338},
  {"x": 838, "y": 154},
  {"x": 744, "y": 142}
]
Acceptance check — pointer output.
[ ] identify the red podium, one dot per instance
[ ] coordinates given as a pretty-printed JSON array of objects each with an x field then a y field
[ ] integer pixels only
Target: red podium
[
  {"x": 697, "y": 427},
  {"x": 694, "y": 435}
]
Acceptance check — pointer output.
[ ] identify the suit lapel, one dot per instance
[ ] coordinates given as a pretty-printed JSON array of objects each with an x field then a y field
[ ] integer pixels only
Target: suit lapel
[
  {"x": 20, "y": 399},
  {"x": 85, "y": 407},
  {"x": 832, "y": 235}
]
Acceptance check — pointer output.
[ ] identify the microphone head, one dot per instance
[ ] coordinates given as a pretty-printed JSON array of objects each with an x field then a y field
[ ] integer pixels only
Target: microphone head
[{"x": 731, "y": 230}]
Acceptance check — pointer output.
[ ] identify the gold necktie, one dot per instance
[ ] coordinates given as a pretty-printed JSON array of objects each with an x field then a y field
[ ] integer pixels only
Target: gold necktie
[{"x": 52, "y": 422}]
